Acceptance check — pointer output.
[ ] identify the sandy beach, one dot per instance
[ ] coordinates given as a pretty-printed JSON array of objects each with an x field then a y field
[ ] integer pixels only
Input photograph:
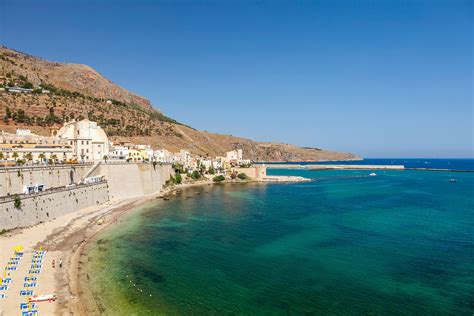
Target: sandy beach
[{"x": 63, "y": 238}]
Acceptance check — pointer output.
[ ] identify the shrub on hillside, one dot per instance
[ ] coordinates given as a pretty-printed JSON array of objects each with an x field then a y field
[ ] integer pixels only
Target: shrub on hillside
[
  {"x": 177, "y": 178},
  {"x": 218, "y": 178},
  {"x": 242, "y": 176},
  {"x": 195, "y": 175}
]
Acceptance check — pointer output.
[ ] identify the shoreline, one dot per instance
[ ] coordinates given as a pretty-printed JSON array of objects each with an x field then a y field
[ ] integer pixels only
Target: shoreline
[{"x": 67, "y": 238}]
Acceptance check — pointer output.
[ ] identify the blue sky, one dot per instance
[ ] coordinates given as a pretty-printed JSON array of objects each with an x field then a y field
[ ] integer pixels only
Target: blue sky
[{"x": 377, "y": 78}]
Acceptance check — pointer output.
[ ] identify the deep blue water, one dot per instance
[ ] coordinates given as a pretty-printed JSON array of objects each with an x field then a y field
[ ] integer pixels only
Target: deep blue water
[{"x": 452, "y": 164}]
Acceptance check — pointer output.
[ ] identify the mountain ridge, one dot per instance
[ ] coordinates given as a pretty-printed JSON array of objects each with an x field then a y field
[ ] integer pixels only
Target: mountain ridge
[{"x": 78, "y": 91}]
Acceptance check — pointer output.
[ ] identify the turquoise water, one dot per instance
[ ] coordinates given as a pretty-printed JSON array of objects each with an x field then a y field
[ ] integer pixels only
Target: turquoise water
[{"x": 400, "y": 243}]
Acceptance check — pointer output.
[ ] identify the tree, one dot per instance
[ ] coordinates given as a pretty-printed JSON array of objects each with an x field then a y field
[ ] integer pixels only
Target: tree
[
  {"x": 54, "y": 158},
  {"x": 42, "y": 157},
  {"x": 15, "y": 155},
  {"x": 29, "y": 156},
  {"x": 2, "y": 156},
  {"x": 105, "y": 158}
]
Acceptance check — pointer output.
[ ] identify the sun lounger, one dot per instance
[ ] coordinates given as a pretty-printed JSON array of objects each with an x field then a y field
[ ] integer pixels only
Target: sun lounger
[
  {"x": 34, "y": 271},
  {"x": 25, "y": 306},
  {"x": 3, "y": 287},
  {"x": 30, "y": 313},
  {"x": 6, "y": 281},
  {"x": 26, "y": 293},
  {"x": 2, "y": 295},
  {"x": 27, "y": 279},
  {"x": 11, "y": 268},
  {"x": 33, "y": 284}
]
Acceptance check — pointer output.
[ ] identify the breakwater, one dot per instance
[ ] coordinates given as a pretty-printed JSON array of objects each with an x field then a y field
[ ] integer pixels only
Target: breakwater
[{"x": 332, "y": 167}]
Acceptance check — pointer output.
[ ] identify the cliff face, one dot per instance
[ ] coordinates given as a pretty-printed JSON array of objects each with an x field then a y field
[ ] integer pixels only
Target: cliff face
[{"x": 78, "y": 91}]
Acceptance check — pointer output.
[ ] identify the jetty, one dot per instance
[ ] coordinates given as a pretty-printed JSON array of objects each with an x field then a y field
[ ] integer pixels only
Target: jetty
[{"x": 335, "y": 167}]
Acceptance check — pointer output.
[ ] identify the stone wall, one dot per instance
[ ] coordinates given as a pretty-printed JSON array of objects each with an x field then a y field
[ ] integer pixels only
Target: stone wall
[
  {"x": 13, "y": 179},
  {"x": 134, "y": 179},
  {"x": 254, "y": 172},
  {"x": 124, "y": 180},
  {"x": 50, "y": 204}
]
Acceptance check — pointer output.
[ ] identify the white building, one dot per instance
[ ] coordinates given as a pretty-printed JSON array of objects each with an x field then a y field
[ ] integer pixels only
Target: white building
[
  {"x": 88, "y": 140},
  {"x": 163, "y": 155},
  {"x": 234, "y": 155},
  {"x": 119, "y": 153}
]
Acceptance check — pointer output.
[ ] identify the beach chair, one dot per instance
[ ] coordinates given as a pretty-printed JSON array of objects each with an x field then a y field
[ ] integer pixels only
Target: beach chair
[
  {"x": 3, "y": 287},
  {"x": 26, "y": 293},
  {"x": 28, "y": 279},
  {"x": 25, "y": 306},
  {"x": 3, "y": 295},
  {"x": 6, "y": 281},
  {"x": 30, "y": 313},
  {"x": 27, "y": 285}
]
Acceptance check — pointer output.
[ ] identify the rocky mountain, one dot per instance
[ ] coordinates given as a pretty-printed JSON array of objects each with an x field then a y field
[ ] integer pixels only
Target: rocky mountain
[{"x": 59, "y": 92}]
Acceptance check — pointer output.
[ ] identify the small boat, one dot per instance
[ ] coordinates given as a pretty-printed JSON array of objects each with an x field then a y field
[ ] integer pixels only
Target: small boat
[
  {"x": 373, "y": 174},
  {"x": 42, "y": 298},
  {"x": 452, "y": 180}
]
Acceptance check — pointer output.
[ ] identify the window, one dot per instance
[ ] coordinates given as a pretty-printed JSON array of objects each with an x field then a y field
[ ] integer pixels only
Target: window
[
  {"x": 82, "y": 142},
  {"x": 78, "y": 132}
]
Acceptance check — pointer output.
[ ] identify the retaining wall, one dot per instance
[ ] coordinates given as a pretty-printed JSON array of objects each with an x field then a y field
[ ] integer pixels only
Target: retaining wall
[
  {"x": 13, "y": 179},
  {"x": 131, "y": 180},
  {"x": 48, "y": 205}
]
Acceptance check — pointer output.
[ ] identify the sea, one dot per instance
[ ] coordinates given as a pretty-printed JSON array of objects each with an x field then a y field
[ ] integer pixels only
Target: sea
[{"x": 346, "y": 243}]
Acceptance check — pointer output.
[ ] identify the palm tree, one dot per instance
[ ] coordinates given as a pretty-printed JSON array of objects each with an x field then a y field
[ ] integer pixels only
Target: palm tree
[
  {"x": 54, "y": 157},
  {"x": 15, "y": 155},
  {"x": 42, "y": 157},
  {"x": 29, "y": 156},
  {"x": 105, "y": 158}
]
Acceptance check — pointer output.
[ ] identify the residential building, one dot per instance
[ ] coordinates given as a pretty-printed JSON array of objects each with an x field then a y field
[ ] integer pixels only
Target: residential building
[{"x": 27, "y": 146}]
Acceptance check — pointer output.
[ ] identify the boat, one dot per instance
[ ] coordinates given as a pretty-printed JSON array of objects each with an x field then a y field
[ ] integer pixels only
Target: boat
[
  {"x": 452, "y": 180},
  {"x": 42, "y": 298},
  {"x": 373, "y": 174}
]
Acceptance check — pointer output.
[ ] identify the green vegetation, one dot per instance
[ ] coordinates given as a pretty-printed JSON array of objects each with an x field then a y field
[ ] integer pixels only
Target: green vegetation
[
  {"x": 17, "y": 201},
  {"x": 211, "y": 170},
  {"x": 177, "y": 178},
  {"x": 242, "y": 176},
  {"x": 178, "y": 168},
  {"x": 218, "y": 178},
  {"x": 196, "y": 175}
]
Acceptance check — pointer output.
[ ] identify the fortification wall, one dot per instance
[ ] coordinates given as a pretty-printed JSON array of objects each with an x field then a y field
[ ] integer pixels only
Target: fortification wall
[
  {"x": 254, "y": 172},
  {"x": 13, "y": 179},
  {"x": 131, "y": 180},
  {"x": 48, "y": 205}
]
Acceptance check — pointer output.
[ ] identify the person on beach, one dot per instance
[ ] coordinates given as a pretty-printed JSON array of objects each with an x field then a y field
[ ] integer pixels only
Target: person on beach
[
  {"x": 60, "y": 263},
  {"x": 53, "y": 264}
]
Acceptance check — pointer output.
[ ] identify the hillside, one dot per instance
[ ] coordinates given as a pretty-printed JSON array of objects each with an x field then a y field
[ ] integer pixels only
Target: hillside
[{"x": 78, "y": 91}]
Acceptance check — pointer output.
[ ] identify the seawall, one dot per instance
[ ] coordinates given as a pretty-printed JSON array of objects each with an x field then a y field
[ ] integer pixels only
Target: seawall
[
  {"x": 122, "y": 181},
  {"x": 50, "y": 204},
  {"x": 128, "y": 180}
]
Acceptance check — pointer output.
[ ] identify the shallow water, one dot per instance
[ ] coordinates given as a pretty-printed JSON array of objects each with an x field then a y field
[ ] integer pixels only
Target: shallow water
[{"x": 398, "y": 243}]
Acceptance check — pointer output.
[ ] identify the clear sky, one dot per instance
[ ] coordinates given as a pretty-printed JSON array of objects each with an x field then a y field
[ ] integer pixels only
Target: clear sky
[{"x": 377, "y": 78}]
